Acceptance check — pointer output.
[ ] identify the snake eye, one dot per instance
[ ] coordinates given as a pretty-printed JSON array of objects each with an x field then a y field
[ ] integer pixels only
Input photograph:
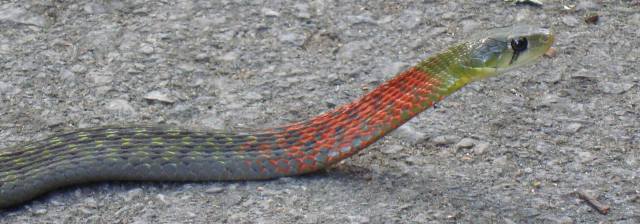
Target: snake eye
[{"x": 520, "y": 44}]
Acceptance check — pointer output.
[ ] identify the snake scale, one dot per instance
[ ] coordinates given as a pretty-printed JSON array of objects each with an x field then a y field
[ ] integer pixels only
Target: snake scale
[{"x": 156, "y": 153}]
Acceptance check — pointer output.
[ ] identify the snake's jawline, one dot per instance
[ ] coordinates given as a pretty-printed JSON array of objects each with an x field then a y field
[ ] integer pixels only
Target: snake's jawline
[{"x": 157, "y": 154}]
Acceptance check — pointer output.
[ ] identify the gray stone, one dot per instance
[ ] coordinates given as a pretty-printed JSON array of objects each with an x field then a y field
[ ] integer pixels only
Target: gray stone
[
  {"x": 466, "y": 143},
  {"x": 584, "y": 156},
  {"x": 214, "y": 190},
  {"x": 229, "y": 56},
  {"x": 90, "y": 203},
  {"x": 269, "y": 12},
  {"x": 358, "y": 219},
  {"x": 186, "y": 67},
  {"x": 615, "y": 88},
  {"x": 40, "y": 211},
  {"x": 445, "y": 139},
  {"x": 78, "y": 68},
  {"x": 146, "y": 48},
  {"x": 133, "y": 194},
  {"x": 120, "y": 106},
  {"x": 407, "y": 132},
  {"x": 361, "y": 19},
  {"x": 573, "y": 127},
  {"x": 162, "y": 198},
  {"x": 160, "y": 96},
  {"x": 392, "y": 149},
  {"x": 100, "y": 79}
]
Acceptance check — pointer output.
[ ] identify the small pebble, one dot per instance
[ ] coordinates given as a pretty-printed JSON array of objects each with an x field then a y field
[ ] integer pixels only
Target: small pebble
[
  {"x": 162, "y": 198},
  {"x": 40, "y": 211},
  {"x": 585, "y": 156},
  {"x": 615, "y": 88},
  {"x": 392, "y": 149},
  {"x": 564, "y": 220},
  {"x": 90, "y": 203},
  {"x": 466, "y": 143},
  {"x": 131, "y": 194},
  {"x": 214, "y": 190},
  {"x": 573, "y": 127},
  {"x": 229, "y": 56},
  {"x": 146, "y": 48},
  {"x": 78, "y": 68},
  {"x": 445, "y": 139},
  {"x": 410, "y": 134},
  {"x": 159, "y": 96},
  {"x": 358, "y": 219},
  {"x": 269, "y": 12},
  {"x": 528, "y": 170},
  {"x": 85, "y": 211},
  {"x": 100, "y": 80}
]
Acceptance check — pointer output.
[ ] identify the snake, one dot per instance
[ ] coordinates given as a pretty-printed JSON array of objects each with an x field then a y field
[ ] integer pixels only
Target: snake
[{"x": 165, "y": 153}]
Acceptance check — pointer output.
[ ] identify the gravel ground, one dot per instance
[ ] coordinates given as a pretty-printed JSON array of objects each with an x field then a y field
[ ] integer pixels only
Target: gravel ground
[{"x": 511, "y": 149}]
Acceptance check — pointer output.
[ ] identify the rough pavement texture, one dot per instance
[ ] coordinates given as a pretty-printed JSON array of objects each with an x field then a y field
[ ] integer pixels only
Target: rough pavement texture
[{"x": 510, "y": 149}]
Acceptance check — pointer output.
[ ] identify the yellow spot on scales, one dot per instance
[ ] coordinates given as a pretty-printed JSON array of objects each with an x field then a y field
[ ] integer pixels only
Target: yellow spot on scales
[
  {"x": 169, "y": 154},
  {"x": 140, "y": 132},
  {"x": 157, "y": 141},
  {"x": 112, "y": 152},
  {"x": 19, "y": 161},
  {"x": 83, "y": 136},
  {"x": 110, "y": 133},
  {"x": 173, "y": 131},
  {"x": 186, "y": 140},
  {"x": 99, "y": 143},
  {"x": 11, "y": 178},
  {"x": 126, "y": 142},
  {"x": 252, "y": 139},
  {"x": 46, "y": 153},
  {"x": 55, "y": 141},
  {"x": 229, "y": 140}
]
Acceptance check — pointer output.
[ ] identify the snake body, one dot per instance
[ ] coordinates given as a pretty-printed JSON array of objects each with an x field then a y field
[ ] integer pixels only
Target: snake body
[{"x": 156, "y": 153}]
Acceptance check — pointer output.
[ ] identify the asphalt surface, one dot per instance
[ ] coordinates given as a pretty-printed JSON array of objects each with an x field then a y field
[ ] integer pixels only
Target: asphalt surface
[{"x": 511, "y": 149}]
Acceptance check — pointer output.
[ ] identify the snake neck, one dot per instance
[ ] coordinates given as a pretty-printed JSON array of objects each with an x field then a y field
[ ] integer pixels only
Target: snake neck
[{"x": 338, "y": 134}]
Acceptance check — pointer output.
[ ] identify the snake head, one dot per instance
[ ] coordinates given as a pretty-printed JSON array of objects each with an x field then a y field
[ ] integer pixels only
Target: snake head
[{"x": 497, "y": 50}]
